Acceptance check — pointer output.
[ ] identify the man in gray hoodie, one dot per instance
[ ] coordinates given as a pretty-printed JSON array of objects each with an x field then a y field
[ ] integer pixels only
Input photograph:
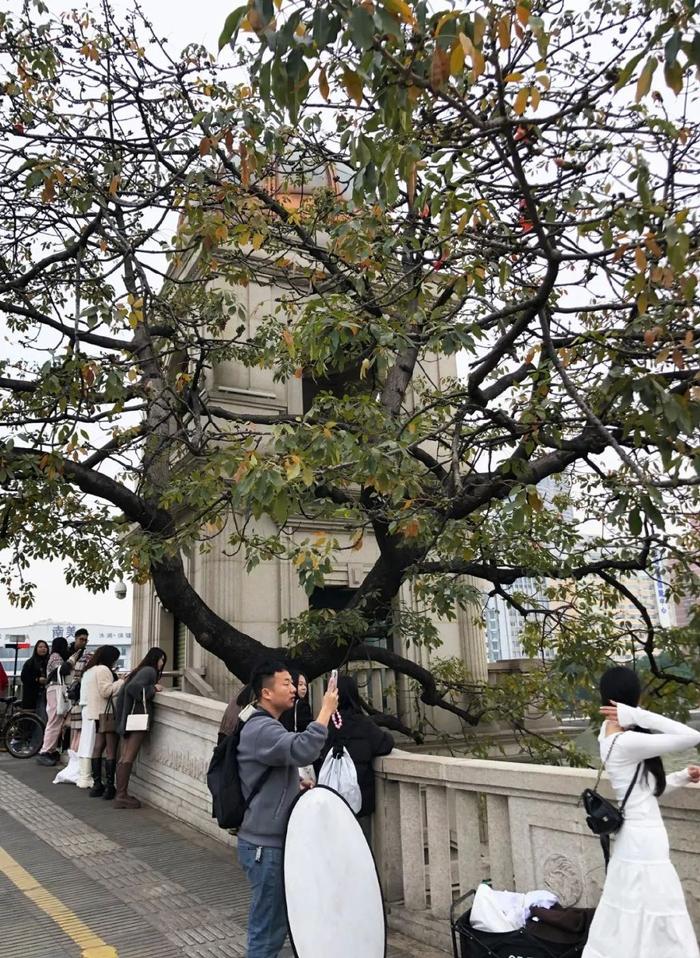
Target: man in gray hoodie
[{"x": 269, "y": 753}]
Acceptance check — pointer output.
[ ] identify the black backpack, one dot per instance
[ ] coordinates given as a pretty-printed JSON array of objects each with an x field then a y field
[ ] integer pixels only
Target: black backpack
[{"x": 224, "y": 782}]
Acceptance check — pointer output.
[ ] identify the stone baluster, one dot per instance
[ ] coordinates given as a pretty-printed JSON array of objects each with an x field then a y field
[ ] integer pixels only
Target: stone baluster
[
  {"x": 412, "y": 846},
  {"x": 439, "y": 861},
  {"x": 468, "y": 837},
  {"x": 500, "y": 853},
  {"x": 376, "y": 693}
]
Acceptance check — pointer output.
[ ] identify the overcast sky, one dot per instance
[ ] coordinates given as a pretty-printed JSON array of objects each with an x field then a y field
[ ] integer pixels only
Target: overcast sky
[{"x": 181, "y": 24}]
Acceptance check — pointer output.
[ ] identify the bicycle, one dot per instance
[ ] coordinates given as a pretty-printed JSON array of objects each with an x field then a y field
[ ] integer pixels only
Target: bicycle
[{"x": 22, "y": 732}]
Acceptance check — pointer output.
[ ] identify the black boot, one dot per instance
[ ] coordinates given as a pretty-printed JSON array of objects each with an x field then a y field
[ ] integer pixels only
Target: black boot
[
  {"x": 110, "y": 768},
  {"x": 97, "y": 786}
]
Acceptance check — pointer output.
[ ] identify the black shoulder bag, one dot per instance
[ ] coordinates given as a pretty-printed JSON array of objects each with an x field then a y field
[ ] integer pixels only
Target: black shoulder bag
[{"x": 604, "y": 817}]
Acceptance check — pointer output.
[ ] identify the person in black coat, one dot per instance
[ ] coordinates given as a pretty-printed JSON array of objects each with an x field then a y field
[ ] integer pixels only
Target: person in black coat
[
  {"x": 363, "y": 739},
  {"x": 34, "y": 680},
  {"x": 298, "y": 717}
]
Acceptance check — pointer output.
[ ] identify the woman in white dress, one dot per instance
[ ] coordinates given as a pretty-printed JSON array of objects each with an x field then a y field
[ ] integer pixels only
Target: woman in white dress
[{"x": 642, "y": 911}]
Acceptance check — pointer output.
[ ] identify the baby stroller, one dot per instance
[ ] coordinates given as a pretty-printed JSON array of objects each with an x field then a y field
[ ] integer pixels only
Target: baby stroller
[{"x": 468, "y": 942}]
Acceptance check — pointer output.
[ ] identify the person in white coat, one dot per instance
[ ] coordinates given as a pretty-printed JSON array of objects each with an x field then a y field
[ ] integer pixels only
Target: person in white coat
[
  {"x": 642, "y": 911},
  {"x": 102, "y": 685}
]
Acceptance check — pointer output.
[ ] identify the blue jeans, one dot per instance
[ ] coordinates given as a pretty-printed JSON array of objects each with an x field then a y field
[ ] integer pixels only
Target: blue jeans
[{"x": 267, "y": 918}]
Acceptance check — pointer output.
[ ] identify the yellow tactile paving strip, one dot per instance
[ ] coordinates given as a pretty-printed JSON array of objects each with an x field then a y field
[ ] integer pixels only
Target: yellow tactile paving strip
[{"x": 91, "y": 945}]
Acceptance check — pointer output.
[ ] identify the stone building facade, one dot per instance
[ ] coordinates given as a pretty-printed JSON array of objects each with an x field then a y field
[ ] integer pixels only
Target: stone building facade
[{"x": 257, "y": 602}]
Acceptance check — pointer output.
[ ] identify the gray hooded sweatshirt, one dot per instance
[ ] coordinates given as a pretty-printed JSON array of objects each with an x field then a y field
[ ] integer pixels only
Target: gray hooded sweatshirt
[{"x": 265, "y": 742}]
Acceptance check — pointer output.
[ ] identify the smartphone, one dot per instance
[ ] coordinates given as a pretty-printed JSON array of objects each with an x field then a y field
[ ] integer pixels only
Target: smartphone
[{"x": 333, "y": 683}]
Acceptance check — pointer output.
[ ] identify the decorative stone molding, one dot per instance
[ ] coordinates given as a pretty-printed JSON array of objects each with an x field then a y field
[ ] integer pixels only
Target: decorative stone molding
[{"x": 564, "y": 878}]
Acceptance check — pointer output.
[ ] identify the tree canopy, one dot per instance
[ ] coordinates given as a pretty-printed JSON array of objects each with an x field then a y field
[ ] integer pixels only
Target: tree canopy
[{"x": 511, "y": 184}]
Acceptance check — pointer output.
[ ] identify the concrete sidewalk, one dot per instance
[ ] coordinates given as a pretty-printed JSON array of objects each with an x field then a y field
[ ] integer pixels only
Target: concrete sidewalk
[{"x": 79, "y": 878}]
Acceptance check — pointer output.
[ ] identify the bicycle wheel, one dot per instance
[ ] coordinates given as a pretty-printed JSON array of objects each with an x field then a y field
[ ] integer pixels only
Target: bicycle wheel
[{"x": 24, "y": 735}]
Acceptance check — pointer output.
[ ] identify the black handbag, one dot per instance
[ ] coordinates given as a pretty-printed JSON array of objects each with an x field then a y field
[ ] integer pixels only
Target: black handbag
[{"x": 604, "y": 817}]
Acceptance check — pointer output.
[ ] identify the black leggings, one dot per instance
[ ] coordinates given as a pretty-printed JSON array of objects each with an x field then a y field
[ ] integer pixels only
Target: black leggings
[{"x": 105, "y": 744}]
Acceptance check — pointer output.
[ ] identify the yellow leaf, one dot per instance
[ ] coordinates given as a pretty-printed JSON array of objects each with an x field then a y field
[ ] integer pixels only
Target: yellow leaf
[
  {"x": 411, "y": 529},
  {"x": 544, "y": 81},
  {"x": 642, "y": 303},
  {"x": 357, "y": 539},
  {"x": 645, "y": 78},
  {"x": 504, "y": 32},
  {"x": 520, "y": 102},
  {"x": 292, "y": 467},
  {"x": 411, "y": 184},
  {"x": 512, "y": 77},
  {"x": 439, "y": 68},
  {"x": 114, "y": 184},
  {"x": 457, "y": 60},
  {"x": 364, "y": 368},
  {"x": 288, "y": 340},
  {"x": 653, "y": 246},
  {"x": 257, "y": 240},
  {"x": 522, "y": 13},
  {"x": 467, "y": 45},
  {"x": 400, "y": 10},
  {"x": 323, "y": 84},
  {"x": 353, "y": 85},
  {"x": 463, "y": 220},
  {"x": 640, "y": 259},
  {"x": 478, "y": 63},
  {"x": 479, "y": 29}
]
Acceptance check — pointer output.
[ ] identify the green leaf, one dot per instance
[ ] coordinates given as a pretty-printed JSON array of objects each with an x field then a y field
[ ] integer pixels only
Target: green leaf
[
  {"x": 673, "y": 74},
  {"x": 230, "y": 31},
  {"x": 362, "y": 27},
  {"x": 634, "y": 520},
  {"x": 672, "y": 47}
]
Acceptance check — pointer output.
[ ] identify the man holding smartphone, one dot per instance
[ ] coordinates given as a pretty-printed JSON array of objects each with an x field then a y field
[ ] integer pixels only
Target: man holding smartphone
[{"x": 269, "y": 758}]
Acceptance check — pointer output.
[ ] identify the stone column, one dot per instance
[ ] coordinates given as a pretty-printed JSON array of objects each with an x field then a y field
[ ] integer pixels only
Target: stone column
[{"x": 473, "y": 637}]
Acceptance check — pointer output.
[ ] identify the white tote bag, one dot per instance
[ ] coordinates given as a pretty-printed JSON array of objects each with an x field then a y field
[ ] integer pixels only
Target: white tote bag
[
  {"x": 63, "y": 703},
  {"x": 339, "y": 773},
  {"x": 138, "y": 721}
]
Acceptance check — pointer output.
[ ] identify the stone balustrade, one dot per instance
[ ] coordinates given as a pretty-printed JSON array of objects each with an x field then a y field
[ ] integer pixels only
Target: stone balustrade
[{"x": 442, "y": 824}]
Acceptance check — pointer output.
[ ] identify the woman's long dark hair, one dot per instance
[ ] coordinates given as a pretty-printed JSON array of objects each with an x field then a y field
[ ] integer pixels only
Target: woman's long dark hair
[
  {"x": 106, "y": 655},
  {"x": 348, "y": 694},
  {"x": 151, "y": 658},
  {"x": 60, "y": 645},
  {"x": 622, "y": 685}
]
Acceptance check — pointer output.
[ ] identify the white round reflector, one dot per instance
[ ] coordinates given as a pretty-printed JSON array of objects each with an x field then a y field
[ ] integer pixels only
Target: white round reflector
[{"x": 334, "y": 901}]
